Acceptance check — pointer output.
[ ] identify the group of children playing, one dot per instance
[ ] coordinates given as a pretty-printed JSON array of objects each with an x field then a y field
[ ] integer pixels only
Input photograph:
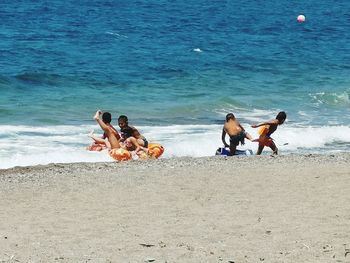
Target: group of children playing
[
  {"x": 131, "y": 139},
  {"x": 237, "y": 134}
]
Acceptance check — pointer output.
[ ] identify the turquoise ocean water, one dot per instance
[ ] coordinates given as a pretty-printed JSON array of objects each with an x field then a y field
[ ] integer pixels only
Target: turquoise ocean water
[{"x": 176, "y": 69}]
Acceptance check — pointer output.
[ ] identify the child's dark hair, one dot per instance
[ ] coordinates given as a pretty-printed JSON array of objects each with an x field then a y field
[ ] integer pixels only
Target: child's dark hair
[
  {"x": 230, "y": 116},
  {"x": 106, "y": 117},
  {"x": 123, "y": 118},
  {"x": 281, "y": 116}
]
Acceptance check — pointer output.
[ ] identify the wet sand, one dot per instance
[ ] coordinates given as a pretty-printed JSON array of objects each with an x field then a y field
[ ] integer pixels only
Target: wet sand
[{"x": 258, "y": 209}]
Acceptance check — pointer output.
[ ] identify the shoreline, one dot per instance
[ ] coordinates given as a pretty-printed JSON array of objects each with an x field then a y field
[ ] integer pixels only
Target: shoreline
[
  {"x": 338, "y": 155},
  {"x": 287, "y": 208}
]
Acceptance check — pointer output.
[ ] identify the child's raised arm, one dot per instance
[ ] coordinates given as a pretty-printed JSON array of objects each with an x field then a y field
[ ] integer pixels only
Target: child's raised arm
[{"x": 272, "y": 122}]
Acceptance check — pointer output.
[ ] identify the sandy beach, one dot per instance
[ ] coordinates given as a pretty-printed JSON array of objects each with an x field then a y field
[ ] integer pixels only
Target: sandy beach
[{"x": 259, "y": 209}]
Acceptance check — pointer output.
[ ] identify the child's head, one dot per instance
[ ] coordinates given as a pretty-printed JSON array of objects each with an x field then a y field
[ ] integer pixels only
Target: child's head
[
  {"x": 106, "y": 117},
  {"x": 230, "y": 116},
  {"x": 281, "y": 117},
  {"x": 122, "y": 121}
]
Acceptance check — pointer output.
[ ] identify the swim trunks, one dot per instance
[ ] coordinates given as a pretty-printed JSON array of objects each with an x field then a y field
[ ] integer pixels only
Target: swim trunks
[
  {"x": 239, "y": 138},
  {"x": 265, "y": 139},
  {"x": 145, "y": 142}
]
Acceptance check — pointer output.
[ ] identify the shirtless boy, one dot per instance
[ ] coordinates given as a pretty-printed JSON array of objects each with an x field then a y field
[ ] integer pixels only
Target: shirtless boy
[
  {"x": 130, "y": 136},
  {"x": 236, "y": 132},
  {"x": 100, "y": 143},
  {"x": 110, "y": 133},
  {"x": 265, "y": 132}
]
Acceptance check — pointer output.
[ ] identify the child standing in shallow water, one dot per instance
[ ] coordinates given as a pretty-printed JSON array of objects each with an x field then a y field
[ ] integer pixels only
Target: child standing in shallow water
[
  {"x": 236, "y": 132},
  {"x": 265, "y": 132}
]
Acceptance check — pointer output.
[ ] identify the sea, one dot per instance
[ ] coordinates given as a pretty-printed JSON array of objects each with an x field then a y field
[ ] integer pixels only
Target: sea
[{"x": 175, "y": 68}]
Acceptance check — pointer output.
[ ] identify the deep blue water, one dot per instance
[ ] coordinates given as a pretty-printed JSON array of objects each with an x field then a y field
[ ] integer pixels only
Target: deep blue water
[
  {"x": 174, "y": 63},
  {"x": 62, "y": 60}
]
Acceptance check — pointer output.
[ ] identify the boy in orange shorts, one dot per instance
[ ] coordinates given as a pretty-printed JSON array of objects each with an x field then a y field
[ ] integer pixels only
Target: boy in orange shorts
[{"x": 265, "y": 132}]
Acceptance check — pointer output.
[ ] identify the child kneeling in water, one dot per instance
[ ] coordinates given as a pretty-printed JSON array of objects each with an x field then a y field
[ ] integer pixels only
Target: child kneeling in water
[{"x": 236, "y": 132}]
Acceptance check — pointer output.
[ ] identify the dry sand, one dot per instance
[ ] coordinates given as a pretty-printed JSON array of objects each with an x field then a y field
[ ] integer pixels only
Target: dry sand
[{"x": 257, "y": 209}]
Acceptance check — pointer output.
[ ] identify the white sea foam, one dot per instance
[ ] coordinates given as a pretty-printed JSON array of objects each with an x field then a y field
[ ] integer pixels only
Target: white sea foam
[
  {"x": 254, "y": 116},
  {"x": 116, "y": 34},
  {"x": 332, "y": 98},
  {"x": 25, "y": 145}
]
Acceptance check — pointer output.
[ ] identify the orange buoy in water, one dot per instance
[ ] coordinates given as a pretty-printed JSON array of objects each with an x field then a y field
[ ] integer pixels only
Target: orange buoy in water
[
  {"x": 301, "y": 18},
  {"x": 120, "y": 154}
]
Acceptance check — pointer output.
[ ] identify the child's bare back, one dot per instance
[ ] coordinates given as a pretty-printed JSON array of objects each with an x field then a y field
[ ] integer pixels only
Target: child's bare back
[
  {"x": 235, "y": 131},
  {"x": 232, "y": 127}
]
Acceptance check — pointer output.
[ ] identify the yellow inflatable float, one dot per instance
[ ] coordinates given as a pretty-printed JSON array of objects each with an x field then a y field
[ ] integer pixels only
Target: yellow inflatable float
[
  {"x": 155, "y": 150},
  {"x": 120, "y": 154}
]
